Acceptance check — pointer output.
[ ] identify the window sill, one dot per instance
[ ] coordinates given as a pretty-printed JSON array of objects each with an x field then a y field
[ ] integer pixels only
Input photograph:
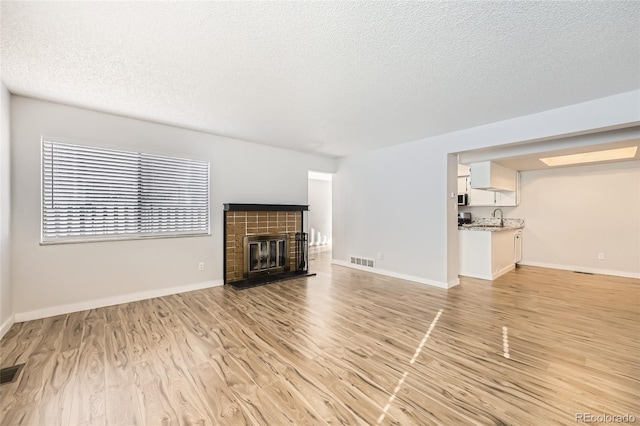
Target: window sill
[{"x": 122, "y": 238}]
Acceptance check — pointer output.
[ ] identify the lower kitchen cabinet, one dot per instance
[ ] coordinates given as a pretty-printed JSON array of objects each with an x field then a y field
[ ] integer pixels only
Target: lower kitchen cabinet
[{"x": 485, "y": 254}]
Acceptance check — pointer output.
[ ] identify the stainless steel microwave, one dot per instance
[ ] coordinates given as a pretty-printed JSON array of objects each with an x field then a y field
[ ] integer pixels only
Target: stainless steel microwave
[{"x": 462, "y": 199}]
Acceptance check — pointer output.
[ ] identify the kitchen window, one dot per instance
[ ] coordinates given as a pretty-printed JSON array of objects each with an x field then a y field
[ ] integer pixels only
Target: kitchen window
[{"x": 95, "y": 194}]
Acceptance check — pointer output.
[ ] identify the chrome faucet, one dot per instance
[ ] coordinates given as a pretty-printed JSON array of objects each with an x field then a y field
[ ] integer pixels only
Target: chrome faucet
[{"x": 501, "y": 216}]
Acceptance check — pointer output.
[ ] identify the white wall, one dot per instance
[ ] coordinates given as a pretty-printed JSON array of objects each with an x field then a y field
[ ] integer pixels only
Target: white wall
[
  {"x": 56, "y": 278},
  {"x": 320, "y": 207},
  {"x": 392, "y": 202},
  {"x": 396, "y": 200},
  {"x": 571, "y": 214},
  {"x": 6, "y": 308}
]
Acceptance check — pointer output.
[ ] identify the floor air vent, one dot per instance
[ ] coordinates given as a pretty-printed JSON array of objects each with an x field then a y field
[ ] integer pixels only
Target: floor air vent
[
  {"x": 10, "y": 374},
  {"x": 362, "y": 262}
]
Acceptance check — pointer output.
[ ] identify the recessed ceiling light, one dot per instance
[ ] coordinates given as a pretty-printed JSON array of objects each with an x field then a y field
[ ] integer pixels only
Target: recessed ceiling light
[{"x": 591, "y": 157}]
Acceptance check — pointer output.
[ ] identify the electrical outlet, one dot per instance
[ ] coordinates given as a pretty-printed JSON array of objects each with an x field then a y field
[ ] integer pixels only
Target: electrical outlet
[
  {"x": 380, "y": 256},
  {"x": 201, "y": 266},
  {"x": 600, "y": 256}
]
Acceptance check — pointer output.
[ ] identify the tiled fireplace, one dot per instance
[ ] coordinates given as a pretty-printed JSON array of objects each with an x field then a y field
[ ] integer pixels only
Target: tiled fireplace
[{"x": 263, "y": 243}]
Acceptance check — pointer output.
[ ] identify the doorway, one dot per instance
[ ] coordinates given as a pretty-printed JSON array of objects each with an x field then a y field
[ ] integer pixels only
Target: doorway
[{"x": 320, "y": 214}]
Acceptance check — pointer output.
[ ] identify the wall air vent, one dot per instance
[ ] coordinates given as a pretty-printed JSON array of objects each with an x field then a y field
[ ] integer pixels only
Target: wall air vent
[{"x": 360, "y": 261}]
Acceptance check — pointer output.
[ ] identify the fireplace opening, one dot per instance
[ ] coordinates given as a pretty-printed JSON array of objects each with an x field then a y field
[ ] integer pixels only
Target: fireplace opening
[{"x": 266, "y": 254}]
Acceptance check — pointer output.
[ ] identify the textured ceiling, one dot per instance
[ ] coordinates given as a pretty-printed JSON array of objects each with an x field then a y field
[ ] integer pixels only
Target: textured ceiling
[{"x": 326, "y": 77}]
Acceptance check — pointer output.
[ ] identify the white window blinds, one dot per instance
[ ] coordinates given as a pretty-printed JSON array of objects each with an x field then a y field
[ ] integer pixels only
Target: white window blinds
[{"x": 93, "y": 193}]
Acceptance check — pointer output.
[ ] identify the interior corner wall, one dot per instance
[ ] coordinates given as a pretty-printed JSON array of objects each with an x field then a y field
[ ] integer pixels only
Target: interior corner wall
[
  {"x": 393, "y": 201},
  {"x": 573, "y": 213},
  {"x": 387, "y": 202},
  {"x": 6, "y": 304},
  {"x": 55, "y": 278}
]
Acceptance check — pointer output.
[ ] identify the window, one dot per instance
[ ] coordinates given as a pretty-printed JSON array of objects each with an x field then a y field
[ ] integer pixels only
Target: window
[{"x": 93, "y": 194}]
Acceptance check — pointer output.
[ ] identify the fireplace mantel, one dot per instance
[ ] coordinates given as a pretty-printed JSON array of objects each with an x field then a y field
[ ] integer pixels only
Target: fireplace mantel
[{"x": 232, "y": 207}]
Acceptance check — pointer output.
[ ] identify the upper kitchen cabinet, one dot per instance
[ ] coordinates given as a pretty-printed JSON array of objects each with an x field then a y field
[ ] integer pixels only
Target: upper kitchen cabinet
[
  {"x": 484, "y": 197},
  {"x": 463, "y": 170},
  {"x": 494, "y": 177},
  {"x": 463, "y": 179},
  {"x": 462, "y": 185},
  {"x": 507, "y": 198},
  {"x": 481, "y": 197}
]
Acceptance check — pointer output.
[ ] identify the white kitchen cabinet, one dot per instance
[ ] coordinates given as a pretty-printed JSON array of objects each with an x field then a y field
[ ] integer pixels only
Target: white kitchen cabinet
[
  {"x": 517, "y": 246},
  {"x": 483, "y": 197},
  {"x": 463, "y": 170},
  {"x": 492, "y": 176},
  {"x": 462, "y": 185},
  {"x": 507, "y": 199},
  {"x": 485, "y": 254}
]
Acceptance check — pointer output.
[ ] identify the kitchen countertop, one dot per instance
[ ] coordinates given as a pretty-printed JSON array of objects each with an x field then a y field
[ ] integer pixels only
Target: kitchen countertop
[
  {"x": 489, "y": 228},
  {"x": 491, "y": 224}
]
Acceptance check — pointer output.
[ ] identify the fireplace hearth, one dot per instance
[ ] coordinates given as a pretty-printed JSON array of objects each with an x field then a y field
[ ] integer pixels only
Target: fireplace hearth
[{"x": 264, "y": 243}]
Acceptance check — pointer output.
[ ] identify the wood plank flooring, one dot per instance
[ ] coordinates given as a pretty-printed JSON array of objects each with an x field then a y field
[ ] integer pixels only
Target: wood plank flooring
[{"x": 336, "y": 349}]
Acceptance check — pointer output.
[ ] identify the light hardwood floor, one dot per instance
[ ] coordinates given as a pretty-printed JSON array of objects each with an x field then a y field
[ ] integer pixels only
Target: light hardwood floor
[{"x": 337, "y": 349}]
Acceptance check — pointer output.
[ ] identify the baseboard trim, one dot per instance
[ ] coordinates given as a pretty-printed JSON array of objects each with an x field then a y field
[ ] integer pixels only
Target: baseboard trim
[
  {"x": 478, "y": 276},
  {"x": 624, "y": 274},
  {"x": 7, "y": 325},
  {"x": 392, "y": 274},
  {"x": 115, "y": 300},
  {"x": 504, "y": 270},
  {"x": 489, "y": 277}
]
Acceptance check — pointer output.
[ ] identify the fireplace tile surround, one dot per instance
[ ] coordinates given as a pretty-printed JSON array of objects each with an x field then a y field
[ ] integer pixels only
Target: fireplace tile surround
[{"x": 250, "y": 220}]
